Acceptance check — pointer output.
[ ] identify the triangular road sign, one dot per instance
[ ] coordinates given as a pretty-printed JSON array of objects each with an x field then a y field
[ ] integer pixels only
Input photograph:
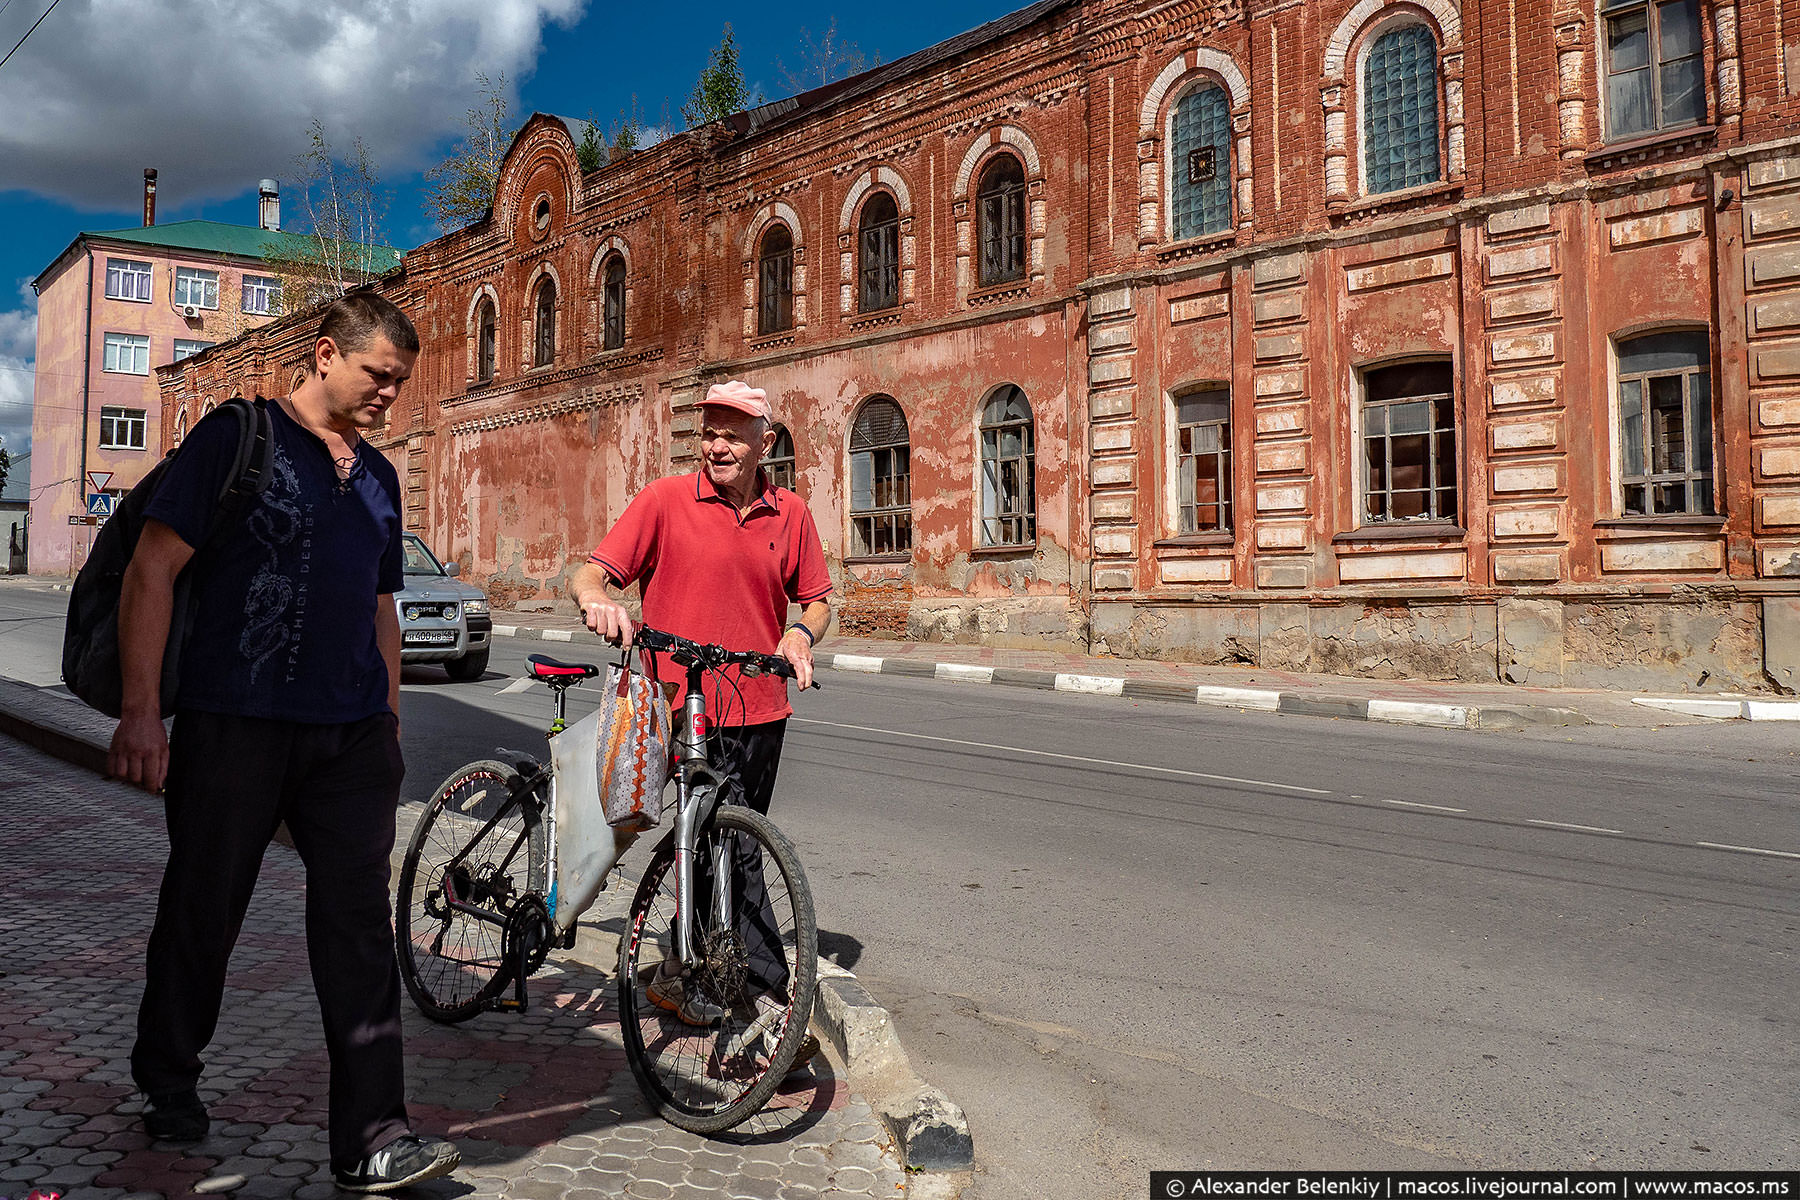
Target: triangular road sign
[{"x": 97, "y": 480}]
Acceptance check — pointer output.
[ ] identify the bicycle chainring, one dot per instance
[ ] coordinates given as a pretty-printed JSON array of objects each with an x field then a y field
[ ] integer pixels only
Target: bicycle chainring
[{"x": 528, "y": 927}]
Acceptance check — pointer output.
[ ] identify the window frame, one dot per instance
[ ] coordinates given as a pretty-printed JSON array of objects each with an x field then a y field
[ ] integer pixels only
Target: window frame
[
  {"x": 779, "y": 461},
  {"x": 613, "y": 276},
  {"x": 1400, "y": 23},
  {"x": 1611, "y": 11},
  {"x": 1176, "y": 171},
  {"x": 144, "y": 280},
  {"x": 113, "y": 344},
  {"x": 114, "y": 418},
  {"x": 1003, "y": 204},
  {"x": 878, "y": 252},
  {"x": 896, "y": 456},
  {"x": 775, "y": 281},
  {"x": 1183, "y": 491},
  {"x": 268, "y": 287},
  {"x": 207, "y": 278},
  {"x": 194, "y": 346},
  {"x": 1696, "y": 483},
  {"x": 1000, "y": 527},
  {"x": 1434, "y": 489},
  {"x": 543, "y": 323},
  {"x": 487, "y": 340}
]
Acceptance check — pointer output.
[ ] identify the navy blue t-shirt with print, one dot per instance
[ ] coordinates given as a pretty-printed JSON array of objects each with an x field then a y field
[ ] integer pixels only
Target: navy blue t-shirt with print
[{"x": 285, "y": 619}]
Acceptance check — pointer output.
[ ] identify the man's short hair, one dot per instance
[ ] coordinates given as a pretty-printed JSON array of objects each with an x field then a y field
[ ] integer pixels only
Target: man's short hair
[{"x": 354, "y": 321}]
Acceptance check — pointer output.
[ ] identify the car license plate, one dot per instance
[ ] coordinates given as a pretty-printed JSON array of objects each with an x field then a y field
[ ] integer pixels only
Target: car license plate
[{"x": 431, "y": 637}]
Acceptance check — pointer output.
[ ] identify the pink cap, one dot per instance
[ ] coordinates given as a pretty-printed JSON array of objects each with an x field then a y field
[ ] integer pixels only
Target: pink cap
[{"x": 741, "y": 396}]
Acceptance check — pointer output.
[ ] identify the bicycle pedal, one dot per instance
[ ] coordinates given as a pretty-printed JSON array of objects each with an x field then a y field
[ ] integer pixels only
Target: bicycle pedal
[
  {"x": 507, "y": 1004},
  {"x": 568, "y": 939}
]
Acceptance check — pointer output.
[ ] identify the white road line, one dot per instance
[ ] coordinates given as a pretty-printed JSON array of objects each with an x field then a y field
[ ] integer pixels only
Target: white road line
[
  {"x": 1099, "y": 762},
  {"x": 1431, "y": 807},
  {"x": 522, "y": 684},
  {"x": 1748, "y": 850},
  {"x": 1567, "y": 825}
]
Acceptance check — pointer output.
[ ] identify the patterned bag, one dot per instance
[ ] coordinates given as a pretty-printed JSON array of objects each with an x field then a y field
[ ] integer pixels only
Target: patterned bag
[{"x": 632, "y": 748}]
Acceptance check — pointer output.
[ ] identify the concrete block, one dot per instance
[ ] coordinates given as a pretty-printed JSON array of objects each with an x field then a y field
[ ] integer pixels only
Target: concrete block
[
  {"x": 1662, "y": 556},
  {"x": 1523, "y": 389},
  {"x": 1193, "y": 308},
  {"x": 1771, "y": 266},
  {"x": 1525, "y": 522},
  {"x": 1283, "y": 574},
  {"x": 1279, "y": 306},
  {"x": 1527, "y": 568},
  {"x": 1531, "y": 642},
  {"x": 1114, "y": 402},
  {"x": 1391, "y": 274},
  {"x": 1781, "y": 639},
  {"x": 1111, "y": 303},
  {"x": 1112, "y": 580},
  {"x": 1518, "y": 220},
  {"x": 1777, "y": 214},
  {"x": 1197, "y": 570},
  {"x": 1278, "y": 269},
  {"x": 1654, "y": 227},
  {"x": 1527, "y": 260},
  {"x": 1286, "y": 629}
]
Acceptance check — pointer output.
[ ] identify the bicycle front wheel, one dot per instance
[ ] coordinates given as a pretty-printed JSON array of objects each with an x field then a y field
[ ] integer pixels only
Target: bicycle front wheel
[
  {"x": 478, "y": 848},
  {"x": 710, "y": 1044}
]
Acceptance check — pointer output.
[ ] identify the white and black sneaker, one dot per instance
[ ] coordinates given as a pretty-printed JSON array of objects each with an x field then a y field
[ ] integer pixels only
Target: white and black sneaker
[{"x": 406, "y": 1160}]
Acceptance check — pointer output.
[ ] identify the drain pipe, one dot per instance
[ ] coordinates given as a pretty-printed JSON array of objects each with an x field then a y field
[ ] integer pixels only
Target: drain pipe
[{"x": 87, "y": 383}]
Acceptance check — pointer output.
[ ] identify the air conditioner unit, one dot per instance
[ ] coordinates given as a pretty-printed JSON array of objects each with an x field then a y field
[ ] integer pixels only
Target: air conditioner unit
[{"x": 191, "y": 311}]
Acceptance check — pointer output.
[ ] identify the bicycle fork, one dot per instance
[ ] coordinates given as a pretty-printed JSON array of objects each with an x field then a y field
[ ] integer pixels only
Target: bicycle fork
[{"x": 697, "y": 797}]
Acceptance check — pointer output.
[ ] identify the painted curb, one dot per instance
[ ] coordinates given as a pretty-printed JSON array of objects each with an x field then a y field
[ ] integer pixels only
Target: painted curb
[{"x": 1723, "y": 709}]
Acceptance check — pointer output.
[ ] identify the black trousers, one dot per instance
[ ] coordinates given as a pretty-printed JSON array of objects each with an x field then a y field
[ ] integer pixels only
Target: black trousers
[
  {"x": 231, "y": 781},
  {"x": 747, "y": 758}
]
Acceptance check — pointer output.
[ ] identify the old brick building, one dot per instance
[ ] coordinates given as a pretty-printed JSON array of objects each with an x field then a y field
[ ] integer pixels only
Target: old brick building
[{"x": 1394, "y": 338}]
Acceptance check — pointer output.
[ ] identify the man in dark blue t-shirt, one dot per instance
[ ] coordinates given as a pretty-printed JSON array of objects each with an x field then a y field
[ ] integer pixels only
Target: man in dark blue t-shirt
[{"x": 287, "y": 711}]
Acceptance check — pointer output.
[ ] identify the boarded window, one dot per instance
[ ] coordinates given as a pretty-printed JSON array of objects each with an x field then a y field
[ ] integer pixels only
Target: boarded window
[{"x": 880, "y": 480}]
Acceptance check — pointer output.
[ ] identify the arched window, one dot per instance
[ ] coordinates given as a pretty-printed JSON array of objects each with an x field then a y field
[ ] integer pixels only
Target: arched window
[
  {"x": 778, "y": 464},
  {"x": 879, "y": 246},
  {"x": 1000, "y": 200},
  {"x": 612, "y": 283},
  {"x": 544, "y": 325},
  {"x": 1400, "y": 111},
  {"x": 1200, "y": 163},
  {"x": 880, "y": 480},
  {"x": 775, "y": 281},
  {"x": 180, "y": 424},
  {"x": 484, "y": 342},
  {"x": 1008, "y": 474}
]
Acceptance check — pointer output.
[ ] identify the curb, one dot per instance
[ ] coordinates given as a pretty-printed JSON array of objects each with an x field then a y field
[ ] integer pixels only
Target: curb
[
  {"x": 1308, "y": 704},
  {"x": 1723, "y": 708}
]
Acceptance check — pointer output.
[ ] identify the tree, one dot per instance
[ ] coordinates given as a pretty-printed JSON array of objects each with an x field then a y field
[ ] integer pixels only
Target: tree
[
  {"x": 720, "y": 90},
  {"x": 462, "y": 186},
  {"x": 339, "y": 244},
  {"x": 5, "y": 466},
  {"x": 824, "y": 60},
  {"x": 590, "y": 151}
]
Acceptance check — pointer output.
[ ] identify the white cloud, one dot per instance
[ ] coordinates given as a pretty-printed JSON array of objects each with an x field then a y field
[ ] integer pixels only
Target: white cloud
[
  {"x": 217, "y": 95},
  {"x": 18, "y": 347}
]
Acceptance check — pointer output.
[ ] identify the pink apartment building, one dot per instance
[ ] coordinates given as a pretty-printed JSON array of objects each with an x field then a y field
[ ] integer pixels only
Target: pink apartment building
[{"x": 111, "y": 307}]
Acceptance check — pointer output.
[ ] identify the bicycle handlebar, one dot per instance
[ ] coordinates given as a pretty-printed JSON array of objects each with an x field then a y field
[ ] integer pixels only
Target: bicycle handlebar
[{"x": 711, "y": 655}]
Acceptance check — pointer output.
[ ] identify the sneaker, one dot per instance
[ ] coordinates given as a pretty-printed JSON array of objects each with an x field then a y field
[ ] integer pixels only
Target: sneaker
[
  {"x": 765, "y": 1030},
  {"x": 674, "y": 994},
  {"x": 406, "y": 1160},
  {"x": 176, "y": 1117}
]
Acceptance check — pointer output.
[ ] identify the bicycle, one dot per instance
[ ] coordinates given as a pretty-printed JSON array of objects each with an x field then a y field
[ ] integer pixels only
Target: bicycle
[{"x": 478, "y": 911}]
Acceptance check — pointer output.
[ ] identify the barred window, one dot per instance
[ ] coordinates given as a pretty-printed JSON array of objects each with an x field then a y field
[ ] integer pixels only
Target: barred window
[
  {"x": 1001, "y": 203},
  {"x": 775, "y": 281},
  {"x": 544, "y": 325},
  {"x": 1203, "y": 462},
  {"x": 612, "y": 282},
  {"x": 1400, "y": 110},
  {"x": 485, "y": 328},
  {"x": 1655, "y": 71},
  {"x": 127, "y": 279},
  {"x": 1666, "y": 426},
  {"x": 880, "y": 480},
  {"x": 1409, "y": 443},
  {"x": 878, "y": 241},
  {"x": 1008, "y": 470},
  {"x": 1200, "y": 163},
  {"x": 778, "y": 464},
  {"x": 122, "y": 428}
]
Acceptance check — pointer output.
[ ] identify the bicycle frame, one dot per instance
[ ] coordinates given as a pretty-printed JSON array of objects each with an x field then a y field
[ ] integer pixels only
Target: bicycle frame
[{"x": 697, "y": 797}]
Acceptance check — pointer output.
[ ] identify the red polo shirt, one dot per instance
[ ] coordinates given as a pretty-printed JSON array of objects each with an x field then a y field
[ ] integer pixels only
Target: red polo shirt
[{"x": 710, "y": 575}]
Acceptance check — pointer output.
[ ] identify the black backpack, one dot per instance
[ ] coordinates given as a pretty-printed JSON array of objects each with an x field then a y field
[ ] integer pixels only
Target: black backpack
[{"x": 90, "y": 658}]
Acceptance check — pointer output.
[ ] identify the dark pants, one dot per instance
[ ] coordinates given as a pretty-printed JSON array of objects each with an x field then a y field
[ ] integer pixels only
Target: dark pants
[
  {"x": 231, "y": 781},
  {"x": 746, "y": 758}
]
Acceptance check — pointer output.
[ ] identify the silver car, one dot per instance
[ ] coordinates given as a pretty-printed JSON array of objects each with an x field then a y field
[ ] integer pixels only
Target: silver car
[{"x": 441, "y": 619}]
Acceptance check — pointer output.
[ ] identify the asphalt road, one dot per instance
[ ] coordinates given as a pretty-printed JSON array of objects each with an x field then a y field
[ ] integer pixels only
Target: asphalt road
[{"x": 1134, "y": 936}]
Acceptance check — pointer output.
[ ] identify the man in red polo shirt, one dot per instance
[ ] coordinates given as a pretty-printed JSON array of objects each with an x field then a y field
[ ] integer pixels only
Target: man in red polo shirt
[{"x": 718, "y": 556}]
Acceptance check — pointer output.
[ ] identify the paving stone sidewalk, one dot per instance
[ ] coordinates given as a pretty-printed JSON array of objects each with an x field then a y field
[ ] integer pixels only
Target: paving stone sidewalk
[{"x": 542, "y": 1105}]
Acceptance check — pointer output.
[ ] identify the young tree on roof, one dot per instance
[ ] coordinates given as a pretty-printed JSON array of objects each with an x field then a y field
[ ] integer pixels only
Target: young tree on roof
[
  {"x": 462, "y": 186},
  {"x": 341, "y": 240},
  {"x": 720, "y": 90}
]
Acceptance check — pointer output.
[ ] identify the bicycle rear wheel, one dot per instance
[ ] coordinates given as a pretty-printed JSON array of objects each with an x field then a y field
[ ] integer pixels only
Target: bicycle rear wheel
[
  {"x": 480, "y": 842},
  {"x": 709, "y": 1078}
]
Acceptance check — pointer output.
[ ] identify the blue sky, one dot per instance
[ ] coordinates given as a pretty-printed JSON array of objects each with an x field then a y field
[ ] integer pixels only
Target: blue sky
[{"x": 218, "y": 96}]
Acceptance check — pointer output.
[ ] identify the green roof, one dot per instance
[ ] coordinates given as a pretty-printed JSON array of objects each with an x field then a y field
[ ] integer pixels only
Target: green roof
[{"x": 216, "y": 237}]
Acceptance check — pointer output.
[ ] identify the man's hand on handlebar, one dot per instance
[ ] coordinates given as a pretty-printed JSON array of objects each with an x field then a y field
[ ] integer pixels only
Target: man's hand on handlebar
[
  {"x": 798, "y": 651},
  {"x": 609, "y": 620}
]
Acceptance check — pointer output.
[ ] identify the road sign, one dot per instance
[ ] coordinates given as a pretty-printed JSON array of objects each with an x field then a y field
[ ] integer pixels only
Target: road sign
[
  {"x": 100, "y": 504},
  {"x": 97, "y": 480}
]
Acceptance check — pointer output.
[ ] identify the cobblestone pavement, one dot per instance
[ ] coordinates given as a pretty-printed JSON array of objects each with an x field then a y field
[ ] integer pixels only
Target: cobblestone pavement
[{"x": 542, "y": 1105}]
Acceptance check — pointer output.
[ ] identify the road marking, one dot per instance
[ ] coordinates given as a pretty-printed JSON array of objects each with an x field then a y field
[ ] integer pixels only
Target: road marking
[
  {"x": 1567, "y": 825},
  {"x": 1432, "y": 807},
  {"x": 522, "y": 684},
  {"x": 1099, "y": 762},
  {"x": 1748, "y": 850}
]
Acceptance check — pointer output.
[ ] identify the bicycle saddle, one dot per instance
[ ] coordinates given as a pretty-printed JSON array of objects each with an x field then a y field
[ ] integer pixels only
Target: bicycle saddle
[{"x": 546, "y": 668}]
